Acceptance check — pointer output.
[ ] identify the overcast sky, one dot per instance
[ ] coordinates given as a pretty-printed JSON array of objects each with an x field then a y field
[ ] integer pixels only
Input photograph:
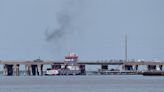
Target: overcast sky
[{"x": 95, "y": 29}]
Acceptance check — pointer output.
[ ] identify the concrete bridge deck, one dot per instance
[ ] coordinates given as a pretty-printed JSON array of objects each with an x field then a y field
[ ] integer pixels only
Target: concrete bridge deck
[{"x": 110, "y": 62}]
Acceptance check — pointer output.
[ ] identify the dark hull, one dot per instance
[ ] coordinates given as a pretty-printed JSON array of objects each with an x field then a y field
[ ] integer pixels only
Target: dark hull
[{"x": 153, "y": 73}]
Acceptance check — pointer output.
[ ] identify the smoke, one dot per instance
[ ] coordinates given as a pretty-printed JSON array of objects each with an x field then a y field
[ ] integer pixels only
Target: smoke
[{"x": 65, "y": 20}]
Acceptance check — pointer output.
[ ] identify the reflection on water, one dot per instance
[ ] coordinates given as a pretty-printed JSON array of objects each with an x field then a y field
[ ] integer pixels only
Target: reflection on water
[{"x": 92, "y": 83}]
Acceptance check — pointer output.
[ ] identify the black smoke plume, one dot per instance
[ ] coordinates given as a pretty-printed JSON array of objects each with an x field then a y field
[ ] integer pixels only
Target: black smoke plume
[
  {"x": 60, "y": 36},
  {"x": 64, "y": 19}
]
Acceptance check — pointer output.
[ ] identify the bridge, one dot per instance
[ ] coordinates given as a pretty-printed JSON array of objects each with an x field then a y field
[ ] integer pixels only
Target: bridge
[
  {"x": 35, "y": 67},
  {"x": 38, "y": 61}
]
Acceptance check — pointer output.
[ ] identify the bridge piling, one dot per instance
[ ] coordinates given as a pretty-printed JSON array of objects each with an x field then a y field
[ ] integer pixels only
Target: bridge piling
[
  {"x": 104, "y": 68},
  {"x": 135, "y": 67},
  {"x": 82, "y": 68},
  {"x": 40, "y": 69},
  {"x": 8, "y": 70},
  {"x": 161, "y": 67},
  {"x": 128, "y": 67},
  {"x": 28, "y": 70},
  {"x": 34, "y": 70},
  {"x": 16, "y": 70},
  {"x": 5, "y": 73},
  {"x": 151, "y": 67}
]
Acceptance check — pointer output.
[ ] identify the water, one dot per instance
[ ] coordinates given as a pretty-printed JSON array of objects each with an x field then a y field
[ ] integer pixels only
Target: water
[{"x": 90, "y": 83}]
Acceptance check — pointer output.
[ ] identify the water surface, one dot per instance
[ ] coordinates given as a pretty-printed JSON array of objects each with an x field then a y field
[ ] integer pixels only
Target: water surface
[{"x": 90, "y": 83}]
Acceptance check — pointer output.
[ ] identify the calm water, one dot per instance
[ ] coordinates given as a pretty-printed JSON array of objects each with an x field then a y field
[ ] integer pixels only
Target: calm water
[{"x": 92, "y": 83}]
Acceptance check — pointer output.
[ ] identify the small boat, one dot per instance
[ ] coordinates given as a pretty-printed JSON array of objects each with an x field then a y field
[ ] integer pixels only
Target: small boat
[
  {"x": 153, "y": 73},
  {"x": 51, "y": 71}
]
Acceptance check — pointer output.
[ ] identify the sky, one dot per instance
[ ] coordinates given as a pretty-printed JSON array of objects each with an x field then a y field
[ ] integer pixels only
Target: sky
[{"x": 94, "y": 29}]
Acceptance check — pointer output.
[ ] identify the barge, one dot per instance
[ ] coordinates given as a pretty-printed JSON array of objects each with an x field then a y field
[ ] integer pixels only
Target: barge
[{"x": 153, "y": 73}]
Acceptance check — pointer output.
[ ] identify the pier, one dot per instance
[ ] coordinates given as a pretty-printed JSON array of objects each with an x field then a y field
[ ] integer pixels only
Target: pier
[{"x": 35, "y": 67}]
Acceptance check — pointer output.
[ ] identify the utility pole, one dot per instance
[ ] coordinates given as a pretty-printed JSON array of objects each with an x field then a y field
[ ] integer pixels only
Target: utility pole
[{"x": 126, "y": 48}]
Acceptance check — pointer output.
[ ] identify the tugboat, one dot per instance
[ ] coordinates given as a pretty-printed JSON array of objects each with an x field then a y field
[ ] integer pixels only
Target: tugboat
[{"x": 70, "y": 66}]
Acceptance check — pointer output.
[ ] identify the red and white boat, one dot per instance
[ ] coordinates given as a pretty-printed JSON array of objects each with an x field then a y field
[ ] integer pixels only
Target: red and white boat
[{"x": 70, "y": 66}]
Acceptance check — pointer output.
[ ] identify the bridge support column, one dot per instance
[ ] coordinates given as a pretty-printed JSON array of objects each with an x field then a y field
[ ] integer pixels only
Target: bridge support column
[
  {"x": 40, "y": 70},
  {"x": 5, "y": 73},
  {"x": 136, "y": 67},
  {"x": 161, "y": 67},
  {"x": 128, "y": 67},
  {"x": 28, "y": 70},
  {"x": 151, "y": 67},
  {"x": 8, "y": 70},
  {"x": 104, "y": 67},
  {"x": 16, "y": 70},
  {"x": 82, "y": 68},
  {"x": 34, "y": 69}
]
